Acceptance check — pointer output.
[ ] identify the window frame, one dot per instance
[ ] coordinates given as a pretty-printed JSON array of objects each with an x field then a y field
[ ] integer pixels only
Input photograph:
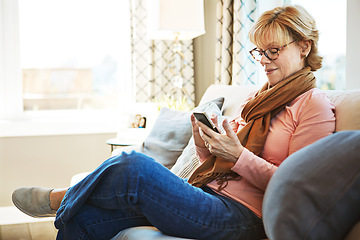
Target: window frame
[
  {"x": 9, "y": 64},
  {"x": 16, "y": 122}
]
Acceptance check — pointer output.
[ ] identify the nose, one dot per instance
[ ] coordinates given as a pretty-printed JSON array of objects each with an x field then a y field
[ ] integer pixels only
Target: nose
[{"x": 264, "y": 60}]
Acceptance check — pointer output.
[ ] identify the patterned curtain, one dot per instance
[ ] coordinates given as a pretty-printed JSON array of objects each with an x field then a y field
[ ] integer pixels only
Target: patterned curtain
[
  {"x": 234, "y": 65},
  {"x": 152, "y": 59}
]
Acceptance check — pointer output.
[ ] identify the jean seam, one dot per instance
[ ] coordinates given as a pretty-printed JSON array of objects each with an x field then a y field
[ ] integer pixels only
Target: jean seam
[
  {"x": 177, "y": 213},
  {"x": 197, "y": 222},
  {"x": 105, "y": 221},
  {"x": 102, "y": 197}
]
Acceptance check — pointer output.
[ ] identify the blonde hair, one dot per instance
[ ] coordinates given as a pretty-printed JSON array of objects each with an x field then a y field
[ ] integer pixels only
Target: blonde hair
[{"x": 286, "y": 23}]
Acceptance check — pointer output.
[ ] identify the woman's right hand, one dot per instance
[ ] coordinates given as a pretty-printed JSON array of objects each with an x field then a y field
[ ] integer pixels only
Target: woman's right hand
[{"x": 199, "y": 142}]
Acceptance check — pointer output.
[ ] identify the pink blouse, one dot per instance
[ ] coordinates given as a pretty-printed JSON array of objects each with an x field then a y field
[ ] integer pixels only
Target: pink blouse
[{"x": 305, "y": 120}]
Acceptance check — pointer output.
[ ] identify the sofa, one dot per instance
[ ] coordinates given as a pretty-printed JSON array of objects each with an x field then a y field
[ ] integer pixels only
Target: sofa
[{"x": 347, "y": 104}]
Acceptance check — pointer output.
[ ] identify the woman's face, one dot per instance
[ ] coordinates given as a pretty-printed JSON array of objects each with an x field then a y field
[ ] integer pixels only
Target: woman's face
[{"x": 289, "y": 61}]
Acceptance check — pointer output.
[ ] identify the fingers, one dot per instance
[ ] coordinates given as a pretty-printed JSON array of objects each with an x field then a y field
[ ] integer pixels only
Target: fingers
[
  {"x": 228, "y": 128},
  {"x": 207, "y": 134},
  {"x": 205, "y": 129},
  {"x": 192, "y": 118},
  {"x": 214, "y": 119},
  {"x": 198, "y": 140},
  {"x": 193, "y": 123}
]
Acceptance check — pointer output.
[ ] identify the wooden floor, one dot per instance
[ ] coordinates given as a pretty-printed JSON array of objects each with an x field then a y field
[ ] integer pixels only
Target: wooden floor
[{"x": 15, "y": 225}]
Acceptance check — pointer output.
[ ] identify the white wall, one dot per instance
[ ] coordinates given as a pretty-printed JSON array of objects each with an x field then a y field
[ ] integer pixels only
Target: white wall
[
  {"x": 352, "y": 44},
  {"x": 48, "y": 161}
]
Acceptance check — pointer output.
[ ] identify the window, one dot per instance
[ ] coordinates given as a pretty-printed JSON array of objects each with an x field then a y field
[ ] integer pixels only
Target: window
[
  {"x": 64, "y": 59},
  {"x": 71, "y": 52},
  {"x": 330, "y": 19}
]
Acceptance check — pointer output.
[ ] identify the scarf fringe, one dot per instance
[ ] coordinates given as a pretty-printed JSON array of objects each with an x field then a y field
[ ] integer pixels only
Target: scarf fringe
[
  {"x": 221, "y": 179},
  {"x": 203, "y": 179}
]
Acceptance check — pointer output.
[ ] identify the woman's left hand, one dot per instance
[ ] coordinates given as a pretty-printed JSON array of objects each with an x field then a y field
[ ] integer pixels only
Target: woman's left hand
[{"x": 226, "y": 146}]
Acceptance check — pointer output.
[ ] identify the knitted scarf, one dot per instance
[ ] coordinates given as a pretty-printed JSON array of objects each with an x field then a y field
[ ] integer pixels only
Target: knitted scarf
[{"x": 257, "y": 113}]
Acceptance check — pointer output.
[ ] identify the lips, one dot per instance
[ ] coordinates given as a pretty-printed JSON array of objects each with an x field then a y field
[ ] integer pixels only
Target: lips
[{"x": 270, "y": 71}]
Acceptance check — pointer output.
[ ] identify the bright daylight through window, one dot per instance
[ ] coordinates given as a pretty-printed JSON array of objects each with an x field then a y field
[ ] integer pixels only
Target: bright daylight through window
[
  {"x": 73, "y": 54},
  {"x": 330, "y": 17}
]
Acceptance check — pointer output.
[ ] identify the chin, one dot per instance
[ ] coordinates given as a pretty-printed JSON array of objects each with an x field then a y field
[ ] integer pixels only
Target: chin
[{"x": 273, "y": 82}]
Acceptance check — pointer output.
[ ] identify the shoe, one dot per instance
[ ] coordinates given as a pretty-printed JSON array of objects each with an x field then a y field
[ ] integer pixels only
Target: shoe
[{"x": 33, "y": 201}]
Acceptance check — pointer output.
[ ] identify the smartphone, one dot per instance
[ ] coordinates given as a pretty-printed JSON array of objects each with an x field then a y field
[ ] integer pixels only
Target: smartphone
[{"x": 204, "y": 118}]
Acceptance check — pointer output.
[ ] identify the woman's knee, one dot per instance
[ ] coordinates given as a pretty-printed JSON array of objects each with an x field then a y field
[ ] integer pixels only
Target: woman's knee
[{"x": 133, "y": 161}]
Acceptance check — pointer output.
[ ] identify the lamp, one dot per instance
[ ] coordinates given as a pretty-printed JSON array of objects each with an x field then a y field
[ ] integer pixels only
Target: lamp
[
  {"x": 176, "y": 20},
  {"x": 170, "y": 19}
]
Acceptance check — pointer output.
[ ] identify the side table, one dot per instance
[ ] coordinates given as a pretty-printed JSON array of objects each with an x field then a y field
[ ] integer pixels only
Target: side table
[{"x": 116, "y": 142}]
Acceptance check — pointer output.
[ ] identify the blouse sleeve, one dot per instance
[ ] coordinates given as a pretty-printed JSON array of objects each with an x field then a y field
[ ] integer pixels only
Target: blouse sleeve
[
  {"x": 255, "y": 169},
  {"x": 316, "y": 121}
]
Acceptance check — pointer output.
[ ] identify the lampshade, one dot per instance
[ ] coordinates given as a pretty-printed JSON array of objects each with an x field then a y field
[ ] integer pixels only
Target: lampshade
[{"x": 170, "y": 18}]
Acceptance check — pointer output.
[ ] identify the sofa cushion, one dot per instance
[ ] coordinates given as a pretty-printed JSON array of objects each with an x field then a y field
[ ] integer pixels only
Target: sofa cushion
[
  {"x": 347, "y": 109},
  {"x": 143, "y": 233},
  {"x": 234, "y": 96},
  {"x": 171, "y": 133}
]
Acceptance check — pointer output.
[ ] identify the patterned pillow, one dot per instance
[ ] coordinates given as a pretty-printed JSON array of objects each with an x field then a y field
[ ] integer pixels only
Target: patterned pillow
[{"x": 187, "y": 162}]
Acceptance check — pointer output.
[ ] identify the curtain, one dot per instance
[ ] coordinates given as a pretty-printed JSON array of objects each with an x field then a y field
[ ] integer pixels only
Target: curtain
[
  {"x": 234, "y": 65},
  {"x": 152, "y": 60}
]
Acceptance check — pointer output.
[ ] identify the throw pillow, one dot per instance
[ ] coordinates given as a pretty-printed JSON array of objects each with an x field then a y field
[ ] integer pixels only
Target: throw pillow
[
  {"x": 314, "y": 194},
  {"x": 171, "y": 133}
]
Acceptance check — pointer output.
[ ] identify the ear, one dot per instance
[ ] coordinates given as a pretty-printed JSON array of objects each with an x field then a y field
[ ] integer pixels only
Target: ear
[{"x": 305, "y": 47}]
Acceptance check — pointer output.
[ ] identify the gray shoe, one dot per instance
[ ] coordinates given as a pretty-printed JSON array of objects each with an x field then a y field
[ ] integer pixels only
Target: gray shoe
[{"x": 34, "y": 201}]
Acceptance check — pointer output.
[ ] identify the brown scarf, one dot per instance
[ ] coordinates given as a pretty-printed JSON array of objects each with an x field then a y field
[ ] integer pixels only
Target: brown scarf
[{"x": 257, "y": 113}]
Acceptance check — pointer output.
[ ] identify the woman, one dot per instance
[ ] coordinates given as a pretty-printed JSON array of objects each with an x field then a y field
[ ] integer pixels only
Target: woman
[{"x": 225, "y": 196}]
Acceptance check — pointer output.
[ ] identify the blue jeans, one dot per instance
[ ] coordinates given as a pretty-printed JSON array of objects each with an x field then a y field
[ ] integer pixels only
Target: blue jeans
[
  {"x": 133, "y": 190},
  {"x": 315, "y": 193}
]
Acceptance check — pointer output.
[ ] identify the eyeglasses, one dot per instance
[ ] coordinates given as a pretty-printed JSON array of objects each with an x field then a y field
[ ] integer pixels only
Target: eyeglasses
[{"x": 271, "y": 53}]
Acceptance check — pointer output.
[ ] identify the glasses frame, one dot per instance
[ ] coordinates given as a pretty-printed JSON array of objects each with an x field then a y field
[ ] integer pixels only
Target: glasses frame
[{"x": 264, "y": 51}]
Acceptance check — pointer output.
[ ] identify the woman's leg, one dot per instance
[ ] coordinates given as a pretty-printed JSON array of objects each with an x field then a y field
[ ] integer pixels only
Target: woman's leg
[
  {"x": 97, "y": 223},
  {"x": 56, "y": 196},
  {"x": 132, "y": 190}
]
